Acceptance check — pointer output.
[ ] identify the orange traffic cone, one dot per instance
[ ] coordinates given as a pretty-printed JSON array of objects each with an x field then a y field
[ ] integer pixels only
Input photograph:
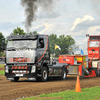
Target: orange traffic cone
[{"x": 78, "y": 88}]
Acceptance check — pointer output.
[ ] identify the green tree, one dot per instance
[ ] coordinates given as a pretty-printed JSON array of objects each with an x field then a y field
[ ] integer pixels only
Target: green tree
[
  {"x": 1, "y": 38},
  {"x": 63, "y": 42},
  {"x": 35, "y": 33},
  {"x": 52, "y": 39},
  {"x": 1, "y": 49},
  {"x": 19, "y": 31},
  {"x": 2, "y": 54}
]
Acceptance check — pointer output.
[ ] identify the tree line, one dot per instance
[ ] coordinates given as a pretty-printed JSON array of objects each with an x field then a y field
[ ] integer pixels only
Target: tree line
[{"x": 62, "y": 41}]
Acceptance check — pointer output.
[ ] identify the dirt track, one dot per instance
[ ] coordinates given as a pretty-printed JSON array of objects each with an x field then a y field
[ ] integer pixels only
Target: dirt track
[
  {"x": 12, "y": 90},
  {"x": 1, "y": 68}
]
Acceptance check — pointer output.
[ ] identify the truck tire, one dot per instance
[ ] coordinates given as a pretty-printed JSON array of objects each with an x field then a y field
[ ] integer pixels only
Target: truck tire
[
  {"x": 15, "y": 79},
  {"x": 63, "y": 74},
  {"x": 44, "y": 74}
]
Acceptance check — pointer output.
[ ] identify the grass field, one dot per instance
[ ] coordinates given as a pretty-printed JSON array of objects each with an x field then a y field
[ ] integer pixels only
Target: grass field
[
  {"x": 2, "y": 72},
  {"x": 1, "y": 65},
  {"x": 85, "y": 94}
]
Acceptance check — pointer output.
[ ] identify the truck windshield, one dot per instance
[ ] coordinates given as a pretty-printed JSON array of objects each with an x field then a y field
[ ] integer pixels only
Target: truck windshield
[
  {"x": 21, "y": 44},
  {"x": 94, "y": 44}
]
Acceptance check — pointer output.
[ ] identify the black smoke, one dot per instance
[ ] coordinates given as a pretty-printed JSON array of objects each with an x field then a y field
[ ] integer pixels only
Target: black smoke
[{"x": 31, "y": 7}]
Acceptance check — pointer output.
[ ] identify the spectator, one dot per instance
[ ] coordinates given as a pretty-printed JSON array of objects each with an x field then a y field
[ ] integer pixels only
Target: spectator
[{"x": 54, "y": 59}]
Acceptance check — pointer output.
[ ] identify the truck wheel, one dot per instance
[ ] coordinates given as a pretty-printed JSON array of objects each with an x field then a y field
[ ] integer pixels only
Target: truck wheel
[
  {"x": 15, "y": 79},
  {"x": 63, "y": 74},
  {"x": 44, "y": 74}
]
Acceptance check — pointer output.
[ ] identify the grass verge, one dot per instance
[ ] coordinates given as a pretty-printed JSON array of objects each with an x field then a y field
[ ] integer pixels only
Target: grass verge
[
  {"x": 2, "y": 72},
  {"x": 85, "y": 94},
  {"x": 1, "y": 65}
]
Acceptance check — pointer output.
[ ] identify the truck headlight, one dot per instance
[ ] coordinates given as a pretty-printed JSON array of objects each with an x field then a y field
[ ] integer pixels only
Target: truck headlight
[
  {"x": 6, "y": 69},
  {"x": 33, "y": 69}
]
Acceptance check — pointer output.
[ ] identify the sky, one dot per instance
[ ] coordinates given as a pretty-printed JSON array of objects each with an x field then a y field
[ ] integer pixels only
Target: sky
[{"x": 69, "y": 17}]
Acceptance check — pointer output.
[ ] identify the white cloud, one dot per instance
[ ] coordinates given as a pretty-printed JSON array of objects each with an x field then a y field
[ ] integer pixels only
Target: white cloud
[
  {"x": 38, "y": 26},
  {"x": 92, "y": 30},
  {"x": 82, "y": 43},
  {"x": 47, "y": 28},
  {"x": 80, "y": 20}
]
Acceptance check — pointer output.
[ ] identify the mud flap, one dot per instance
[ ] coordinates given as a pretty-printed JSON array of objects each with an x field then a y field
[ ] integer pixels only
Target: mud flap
[{"x": 82, "y": 72}]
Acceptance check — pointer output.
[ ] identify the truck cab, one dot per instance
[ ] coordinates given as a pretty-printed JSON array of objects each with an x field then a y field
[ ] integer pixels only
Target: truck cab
[
  {"x": 94, "y": 47},
  {"x": 29, "y": 56}
]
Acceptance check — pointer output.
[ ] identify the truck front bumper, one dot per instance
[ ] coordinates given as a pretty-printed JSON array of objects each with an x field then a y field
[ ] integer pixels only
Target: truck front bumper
[
  {"x": 20, "y": 75},
  {"x": 21, "y": 71}
]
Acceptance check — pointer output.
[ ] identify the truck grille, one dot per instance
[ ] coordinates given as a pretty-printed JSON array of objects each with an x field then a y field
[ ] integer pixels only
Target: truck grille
[
  {"x": 21, "y": 59},
  {"x": 19, "y": 67}
]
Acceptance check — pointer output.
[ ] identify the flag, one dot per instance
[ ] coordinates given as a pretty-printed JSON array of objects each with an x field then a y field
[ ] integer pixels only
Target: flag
[
  {"x": 82, "y": 52},
  {"x": 56, "y": 46}
]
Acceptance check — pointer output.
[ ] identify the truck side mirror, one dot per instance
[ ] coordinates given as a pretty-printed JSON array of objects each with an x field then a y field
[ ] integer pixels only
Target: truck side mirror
[{"x": 3, "y": 44}]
